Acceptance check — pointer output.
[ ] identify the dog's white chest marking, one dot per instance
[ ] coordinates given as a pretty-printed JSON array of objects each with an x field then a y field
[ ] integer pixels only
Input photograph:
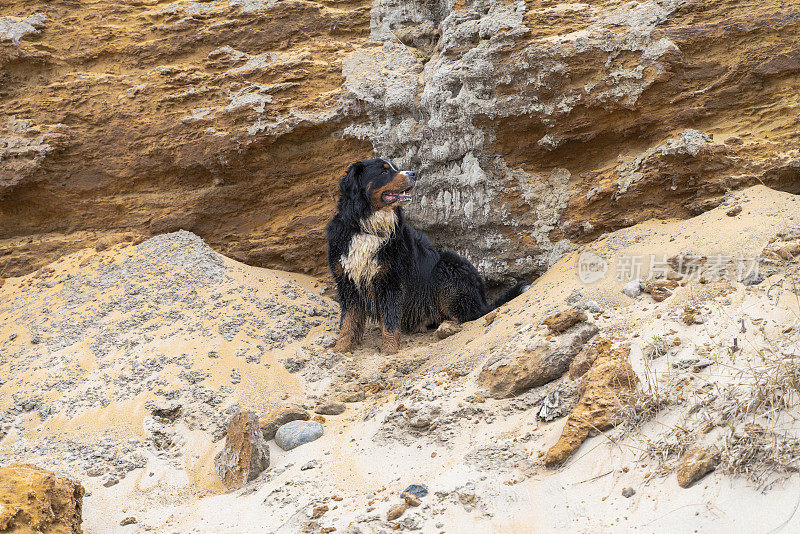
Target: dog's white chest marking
[{"x": 361, "y": 262}]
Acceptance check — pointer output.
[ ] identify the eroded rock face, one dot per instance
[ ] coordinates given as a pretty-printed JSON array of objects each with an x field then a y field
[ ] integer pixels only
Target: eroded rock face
[
  {"x": 609, "y": 382},
  {"x": 536, "y": 125},
  {"x": 221, "y": 118},
  {"x": 246, "y": 453},
  {"x": 37, "y": 500}
]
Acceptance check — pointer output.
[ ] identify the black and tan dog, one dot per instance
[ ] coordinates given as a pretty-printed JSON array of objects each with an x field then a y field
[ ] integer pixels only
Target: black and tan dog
[{"x": 388, "y": 271}]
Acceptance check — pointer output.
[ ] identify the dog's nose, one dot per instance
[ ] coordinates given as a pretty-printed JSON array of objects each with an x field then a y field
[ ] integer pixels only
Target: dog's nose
[{"x": 412, "y": 176}]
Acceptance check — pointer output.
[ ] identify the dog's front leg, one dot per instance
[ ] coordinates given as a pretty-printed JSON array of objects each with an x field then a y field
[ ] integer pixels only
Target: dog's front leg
[
  {"x": 391, "y": 322},
  {"x": 351, "y": 329}
]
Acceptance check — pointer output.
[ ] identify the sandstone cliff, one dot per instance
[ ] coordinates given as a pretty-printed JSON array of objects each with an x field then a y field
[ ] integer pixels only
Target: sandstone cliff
[{"x": 537, "y": 125}]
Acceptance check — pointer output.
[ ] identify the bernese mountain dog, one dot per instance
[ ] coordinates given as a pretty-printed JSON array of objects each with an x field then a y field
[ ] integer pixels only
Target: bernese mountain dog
[{"x": 388, "y": 271}]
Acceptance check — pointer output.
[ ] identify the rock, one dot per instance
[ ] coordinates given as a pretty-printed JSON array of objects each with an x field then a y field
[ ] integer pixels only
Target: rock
[
  {"x": 691, "y": 315},
  {"x": 417, "y": 489},
  {"x": 608, "y": 384},
  {"x": 660, "y": 289},
  {"x": 583, "y": 361},
  {"x": 672, "y": 275},
  {"x": 270, "y": 422},
  {"x": 246, "y": 453},
  {"x": 331, "y": 408},
  {"x": 396, "y": 511},
  {"x": 696, "y": 463},
  {"x": 421, "y": 417},
  {"x": 447, "y": 329},
  {"x": 110, "y": 480},
  {"x": 788, "y": 251},
  {"x": 563, "y": 320},
  {"x": 534, "y": 367},
  {"x": 411, "y": 499},
  {"x": 311, "y": 464},
  {"x": 128, "y": 521},
  {"x": 213, "y": 109},
  {"x": 734, "y": 211},
  {"x": 296, "y": 433},
  {"x": 592, "y": 306},
  {"x": 37, "y": 500},
  {"x": 628, "y": 492},
  {"x": 319, "y": 511},
  {"x": 753, "y": 278},
  {"x": 632, "y": 289},
  {"x": 358, "y": 396},
  {"x": 490, "y": 317}
]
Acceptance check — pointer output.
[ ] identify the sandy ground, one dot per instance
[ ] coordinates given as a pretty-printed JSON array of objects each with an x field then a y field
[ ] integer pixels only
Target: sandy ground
[{"x": 186, "y": 325}]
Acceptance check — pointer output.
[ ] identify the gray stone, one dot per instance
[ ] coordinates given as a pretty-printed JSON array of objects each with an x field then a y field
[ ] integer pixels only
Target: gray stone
[
  {"x": 753, "y": 278},
  {"x": 331, "y": 408},
  {"x": 633, "y": 288},
  {"x": 296, "y": 433}
]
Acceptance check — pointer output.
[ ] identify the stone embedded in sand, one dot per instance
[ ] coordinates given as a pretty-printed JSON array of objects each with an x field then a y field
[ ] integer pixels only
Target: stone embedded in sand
[
  {"x": 608, "y": 385},
  {"x": 357, "y": 396},
  {"x": 691, "y": 315},
  {"x": 319, "y": 511},
  {"x": 422, "y": 416},
  {"x": 660, "y": 289},
  {"x": 632, "y": 288},
  {"x": 418, "y": 489},
  {"x": 272, "y": 421},
  {"x": 246, "y": 453},
  {"x": 411, "y": 499},
  {"x": 447, "y": 329},
  {"x": 565, "y": 319},
  {"x": 696, "y": 463},
  {"x": 753, "y": 278},
  {"x": 330, "y": 408},
  {"x": 36, "y": 500},
  {"x": 396, "y": 511},
  {"x": 734, "y": 211},
  {"x": 296, "y": 433},
  {"x": 506, "y": 377}
]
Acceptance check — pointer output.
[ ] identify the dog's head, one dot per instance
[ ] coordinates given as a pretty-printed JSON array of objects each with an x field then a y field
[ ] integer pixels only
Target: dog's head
[{"x": 375, "y": 184}]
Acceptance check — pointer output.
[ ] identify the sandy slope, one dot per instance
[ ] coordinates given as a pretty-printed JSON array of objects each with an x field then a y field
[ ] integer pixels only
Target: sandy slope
[{"x": 481, "y": 458}]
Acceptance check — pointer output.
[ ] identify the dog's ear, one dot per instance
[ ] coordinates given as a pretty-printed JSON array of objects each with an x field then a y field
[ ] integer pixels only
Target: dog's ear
[{"x": 349, "y": 186}]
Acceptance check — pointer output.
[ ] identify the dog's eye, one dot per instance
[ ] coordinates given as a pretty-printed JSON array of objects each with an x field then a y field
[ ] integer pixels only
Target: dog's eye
[{"x": 384, "y": 171}]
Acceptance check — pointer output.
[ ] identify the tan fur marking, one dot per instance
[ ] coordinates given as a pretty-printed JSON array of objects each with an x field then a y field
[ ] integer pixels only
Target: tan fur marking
[
  {"x": 351, "y": 332},
  {"x": 398, "y": 182},
  {"x": 391, "y": 341},
  {"x": 360, "y": 262}
]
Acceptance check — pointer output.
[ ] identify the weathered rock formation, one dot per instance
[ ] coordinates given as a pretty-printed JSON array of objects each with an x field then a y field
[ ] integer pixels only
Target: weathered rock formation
[
  {"x": 605, "y": 389},
  {"x": 246, "y": 453},
  {"x": 537, "y": 125},
  {"x": 36, "y": 500},
  {"x": 515, "y": 371}
]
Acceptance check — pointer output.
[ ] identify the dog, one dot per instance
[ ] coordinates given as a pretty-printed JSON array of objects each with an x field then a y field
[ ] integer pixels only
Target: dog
[{"x": 386, "y": 270}]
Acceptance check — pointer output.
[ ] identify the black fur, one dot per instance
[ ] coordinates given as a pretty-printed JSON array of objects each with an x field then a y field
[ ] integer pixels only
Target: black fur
[{"x": 417, "y": 285}]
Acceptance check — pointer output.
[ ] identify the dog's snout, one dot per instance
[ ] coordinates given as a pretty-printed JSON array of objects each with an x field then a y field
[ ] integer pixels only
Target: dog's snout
[{"x": 412, "y": 176}]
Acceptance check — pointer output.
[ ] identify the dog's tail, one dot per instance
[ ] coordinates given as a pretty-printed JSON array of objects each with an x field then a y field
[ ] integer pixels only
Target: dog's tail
[{"x": 510, "y": 294}]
